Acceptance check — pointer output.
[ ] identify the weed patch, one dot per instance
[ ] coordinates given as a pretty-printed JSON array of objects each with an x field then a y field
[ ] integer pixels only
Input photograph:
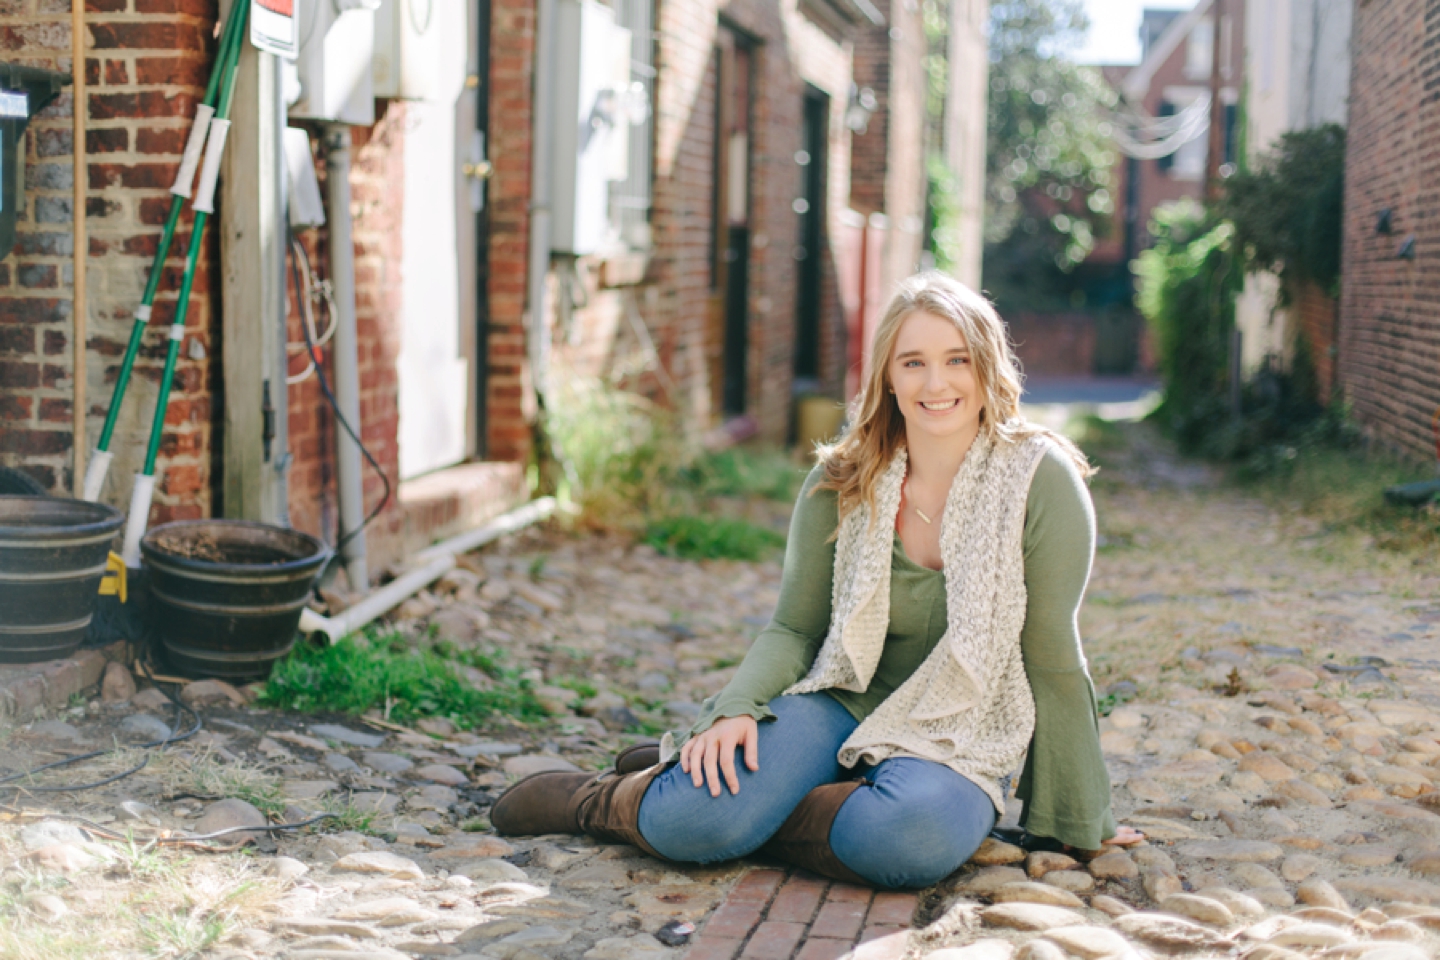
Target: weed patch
[
  {"x": 764, "y": 472},
  {"x": 712, "y": 538},
  {"x": 1344, "y": 490},
  {"x": 385, "y": 673}
]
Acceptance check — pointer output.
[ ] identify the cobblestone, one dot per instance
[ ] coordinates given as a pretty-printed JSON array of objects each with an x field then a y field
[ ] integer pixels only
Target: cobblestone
[{"x": 1288, "y": 796}]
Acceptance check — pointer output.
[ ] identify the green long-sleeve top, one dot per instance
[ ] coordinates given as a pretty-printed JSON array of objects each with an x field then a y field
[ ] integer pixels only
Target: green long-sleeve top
[{"x": 1064, "y": 785}]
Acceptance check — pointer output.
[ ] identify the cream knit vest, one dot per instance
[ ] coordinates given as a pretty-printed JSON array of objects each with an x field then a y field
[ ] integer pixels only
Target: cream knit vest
[{"x": 969, "y": 704}]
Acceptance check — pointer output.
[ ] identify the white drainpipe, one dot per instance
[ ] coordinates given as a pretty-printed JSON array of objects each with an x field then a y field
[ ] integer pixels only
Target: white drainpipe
[
  {"x": 348, "y": 465},
  {"x": 433, "y": 563},
  {"x": 541, "y": 144}
]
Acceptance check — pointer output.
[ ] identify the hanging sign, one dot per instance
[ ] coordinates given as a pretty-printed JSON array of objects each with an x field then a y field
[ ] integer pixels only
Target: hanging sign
[{"x": 273, "y": 27}]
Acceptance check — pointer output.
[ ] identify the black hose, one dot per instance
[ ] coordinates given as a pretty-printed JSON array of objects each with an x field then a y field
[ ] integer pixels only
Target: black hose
[{"x": 181, "y": 709}]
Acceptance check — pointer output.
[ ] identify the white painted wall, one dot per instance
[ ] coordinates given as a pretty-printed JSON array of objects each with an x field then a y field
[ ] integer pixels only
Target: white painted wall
[{"x": 434, "y": 373}]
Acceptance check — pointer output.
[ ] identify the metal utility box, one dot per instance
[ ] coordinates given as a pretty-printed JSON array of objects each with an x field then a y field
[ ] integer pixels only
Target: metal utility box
[
  {"x": 407, "y": 48},
  {"x": 592, "y": 117},
  {"x": 24, "y": 92},
  {"x": 334, "y": 63}
]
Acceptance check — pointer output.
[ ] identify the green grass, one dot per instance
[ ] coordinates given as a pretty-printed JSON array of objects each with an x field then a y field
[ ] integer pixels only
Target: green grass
[
  {"x": 712, "y": 538},
  {"x": 1344, "y": 489},
  {"x": 363, "y": 673}
]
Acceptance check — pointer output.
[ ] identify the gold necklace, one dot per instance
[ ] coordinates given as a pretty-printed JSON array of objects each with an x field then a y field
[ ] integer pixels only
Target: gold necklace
[{"x": 918, "y": 511}]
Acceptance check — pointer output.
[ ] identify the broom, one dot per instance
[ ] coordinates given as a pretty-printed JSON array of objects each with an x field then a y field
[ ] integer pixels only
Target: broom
[
  {"x": 144, "y": 491},
  {"x": 230, "y": 40}
]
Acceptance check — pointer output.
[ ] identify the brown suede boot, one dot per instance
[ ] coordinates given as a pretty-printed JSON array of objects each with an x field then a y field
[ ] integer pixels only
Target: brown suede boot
[
  {"x": 640, "y": 756},
  {"x": 804, "y": 838},
  {"x": 608, "y": 808},
  {"x": 538, "y": 804}
]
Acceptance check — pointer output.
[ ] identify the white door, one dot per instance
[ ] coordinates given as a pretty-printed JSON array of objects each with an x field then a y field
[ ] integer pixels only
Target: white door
[{"x": 437, "y": 237}]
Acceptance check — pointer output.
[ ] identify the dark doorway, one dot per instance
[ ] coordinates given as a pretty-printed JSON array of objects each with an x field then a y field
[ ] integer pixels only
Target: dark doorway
[
  {"x": 732, "y": 213},
  {"x": 810, "y": 246}
]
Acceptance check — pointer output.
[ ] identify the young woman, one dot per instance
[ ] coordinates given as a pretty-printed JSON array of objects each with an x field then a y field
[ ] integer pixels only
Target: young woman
[{"x": 924, "y": 642}]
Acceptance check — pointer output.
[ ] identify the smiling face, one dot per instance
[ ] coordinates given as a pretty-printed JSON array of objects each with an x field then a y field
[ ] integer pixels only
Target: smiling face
[{"x": 931, "y": 373}]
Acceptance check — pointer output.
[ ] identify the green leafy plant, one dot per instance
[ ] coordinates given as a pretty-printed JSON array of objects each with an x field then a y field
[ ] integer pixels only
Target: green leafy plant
[
  {"x": 1188, "y": 281},
  {"x": 712, "y": 538},
  {"x": 1287, "y": 210},
  {"x": 363, "y": 673},
  {"x": 765, "y": 472},
  {"x": 619, "y": 452}
]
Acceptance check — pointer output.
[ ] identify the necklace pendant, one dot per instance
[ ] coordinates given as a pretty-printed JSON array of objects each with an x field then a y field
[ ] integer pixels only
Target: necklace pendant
[{"x": 922, "y": 515}]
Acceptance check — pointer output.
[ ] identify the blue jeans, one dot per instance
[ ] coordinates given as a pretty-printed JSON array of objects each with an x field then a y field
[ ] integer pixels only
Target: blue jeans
[{"x": 911, "y": 824}]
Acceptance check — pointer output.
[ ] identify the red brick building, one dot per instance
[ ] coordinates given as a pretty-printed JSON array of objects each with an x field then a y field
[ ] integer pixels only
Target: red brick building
[
  {"x": 772, "y": 128},
  {"x": 1389, "y": 349}
]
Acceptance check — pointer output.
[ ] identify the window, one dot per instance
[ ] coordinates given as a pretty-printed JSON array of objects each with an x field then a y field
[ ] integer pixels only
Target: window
[
  {"x": 631, "y": 199},
  {"x": 1199, "y": 51},
  {"x": 1163, "y": 164}
]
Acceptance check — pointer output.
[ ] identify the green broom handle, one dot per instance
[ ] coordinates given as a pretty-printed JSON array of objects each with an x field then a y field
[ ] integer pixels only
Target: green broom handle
[
  {"x": 202, "y": 204},
  {"x": 152, "y": 284}
]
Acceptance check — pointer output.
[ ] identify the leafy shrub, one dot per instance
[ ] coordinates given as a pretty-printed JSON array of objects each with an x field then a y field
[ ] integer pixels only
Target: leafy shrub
[
  {"x": 1188, "y": 282},
  {"x": 619, "y": 452},
  {"x": 1287, "y": 212}
]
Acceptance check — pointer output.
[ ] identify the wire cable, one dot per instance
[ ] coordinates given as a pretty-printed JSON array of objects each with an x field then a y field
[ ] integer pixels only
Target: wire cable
[
  {"x": 10, "y": 781},
  {"x": 297, "y": 255},
  {"x": 313, "y": 292}
]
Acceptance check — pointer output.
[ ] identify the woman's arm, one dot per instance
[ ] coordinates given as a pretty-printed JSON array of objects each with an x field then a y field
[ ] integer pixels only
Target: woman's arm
[
  {"x": 786, "y": 648},
  {"x": 1065, "y": 785}
]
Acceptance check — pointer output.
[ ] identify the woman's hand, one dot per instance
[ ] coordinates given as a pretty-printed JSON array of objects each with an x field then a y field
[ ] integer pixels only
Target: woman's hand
[{"x": 711, "y": 753}]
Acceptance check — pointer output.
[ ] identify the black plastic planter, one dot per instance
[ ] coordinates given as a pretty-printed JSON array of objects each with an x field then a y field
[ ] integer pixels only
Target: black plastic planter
[
  {"x": 52, "y": 558},
  {"x": 226, "y": 595}
]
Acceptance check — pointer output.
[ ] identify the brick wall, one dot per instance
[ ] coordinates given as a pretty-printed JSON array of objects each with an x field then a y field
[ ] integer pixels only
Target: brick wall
[
  {"x": 906, "y": 179},
  {"x": 868, "y": 150},
  {"x": 147, "y": 64},
  {"x": 377, "y": 197},
  {"x": 792, "y": 52},
  {"x": 1318, "y": 315},
  {"x": 1389, "y": 352},
  {"x": 1054, "y": 344},
  {"x": 512, "y": 57},
  {"x": 676, "y": 296}
]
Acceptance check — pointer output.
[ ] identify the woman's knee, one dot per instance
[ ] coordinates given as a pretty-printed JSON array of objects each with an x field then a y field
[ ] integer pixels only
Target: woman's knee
[
  {"x": 913, "y": 827},
  {"x": 684, "y": 823}
]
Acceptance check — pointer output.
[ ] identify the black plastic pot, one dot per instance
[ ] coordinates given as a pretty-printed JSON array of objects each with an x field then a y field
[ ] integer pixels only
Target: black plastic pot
[
  {"x": 52, "y": 558},
  {"x": 226, "y": 595}
]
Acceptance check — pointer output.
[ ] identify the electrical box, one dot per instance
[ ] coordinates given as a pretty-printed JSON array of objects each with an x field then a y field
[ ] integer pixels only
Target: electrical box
[
  {"x": 24, "y": 92},
  {"x": 594, "y": 105},
  {"x": 407, "y": 49},
  {"x": 337, "y": 43}
]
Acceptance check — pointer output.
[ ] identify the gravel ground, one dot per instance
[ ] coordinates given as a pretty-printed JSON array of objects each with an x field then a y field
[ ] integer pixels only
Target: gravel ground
[{"x": 1274, "y": 728}]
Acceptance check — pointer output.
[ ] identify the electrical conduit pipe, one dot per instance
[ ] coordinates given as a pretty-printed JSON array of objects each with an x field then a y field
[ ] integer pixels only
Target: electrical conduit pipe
[
  {"x": 346, "y": 352},
  {"x": 434, "y": 562}
]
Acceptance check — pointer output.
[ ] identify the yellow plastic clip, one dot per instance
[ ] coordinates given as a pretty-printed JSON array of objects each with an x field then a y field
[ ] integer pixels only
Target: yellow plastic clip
[{"x": 113, "y": 583}]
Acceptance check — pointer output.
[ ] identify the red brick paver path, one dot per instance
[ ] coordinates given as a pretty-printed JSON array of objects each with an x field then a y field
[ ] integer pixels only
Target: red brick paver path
[{"x": 772, "y": 916}]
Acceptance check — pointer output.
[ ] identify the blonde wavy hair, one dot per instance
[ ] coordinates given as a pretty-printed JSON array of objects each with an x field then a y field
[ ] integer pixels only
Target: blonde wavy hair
[{"x": 854, "y": 463}]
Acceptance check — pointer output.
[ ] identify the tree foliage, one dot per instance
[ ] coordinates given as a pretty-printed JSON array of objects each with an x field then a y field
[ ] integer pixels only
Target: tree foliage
[
  {"x": 1188, "y": 282},
  {"x": 1048, "y": 157},
  {"x": 1287, "y": 211}
]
